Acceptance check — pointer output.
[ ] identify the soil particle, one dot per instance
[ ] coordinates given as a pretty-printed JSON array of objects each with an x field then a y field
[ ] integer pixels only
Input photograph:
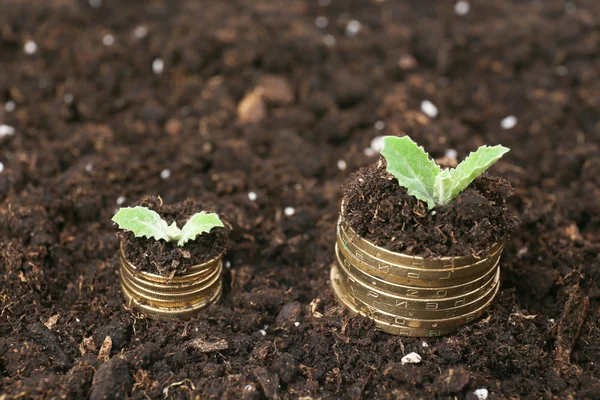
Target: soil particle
[
  {"x": 166, "y": 258},
  {"x": 112, "y": 380},
  {"x": 380, "y": 210}
]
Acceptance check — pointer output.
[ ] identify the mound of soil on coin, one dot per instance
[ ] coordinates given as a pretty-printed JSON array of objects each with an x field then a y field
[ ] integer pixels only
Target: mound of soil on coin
[
  {"x": 380, "y": 210},
  {"x": 166, "y": 258},
  {"x": 255, "y": 109}
]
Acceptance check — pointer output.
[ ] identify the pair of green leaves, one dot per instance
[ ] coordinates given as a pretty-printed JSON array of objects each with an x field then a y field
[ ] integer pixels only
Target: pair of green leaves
[
  {"x": 424, "y": 179},
  {"x": 145, "y": 222}
]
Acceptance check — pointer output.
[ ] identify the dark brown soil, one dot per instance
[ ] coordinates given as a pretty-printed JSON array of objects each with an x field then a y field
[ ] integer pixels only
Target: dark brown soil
[
  {"x": 94, "y": 122},
  {"x": 378, "y": 209},
  {"x": 166, "y": 258}
]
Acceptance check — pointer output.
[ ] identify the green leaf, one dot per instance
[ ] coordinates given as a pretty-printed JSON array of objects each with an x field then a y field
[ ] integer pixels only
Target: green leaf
[
  {"x": 411, "y": 166},
  {"x": 142, "y": 222},
  {"x": 450, "y": 183},
  {"x": 198, "y": 224}
]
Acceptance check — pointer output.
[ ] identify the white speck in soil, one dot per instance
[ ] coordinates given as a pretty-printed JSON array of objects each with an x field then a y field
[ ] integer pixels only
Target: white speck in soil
[
  {"x": 121, "y": 200},
  {"x": 95, "y": 3},
  {"x": 429, "y": 109},
  {"x": 411, "y": 358},
  {"x": 508, "y": 122},
  {"x": 296, "y": 323},
  {"x": 68, "y": 98},
  {"x": 570, "y": 8},
  {"x": 522, "y": 251},
  {"x": 562, "y": 70},
  {"x": 89, "y": 167},
  {"x": 263, "y": 332},
  {"x": 158, "y": 66},
  {"x": 377, "y": 144},
  {"x": 10, "y": 106},
  {"x": 379, "y": 125},
  {"x": 165, "y": 173},
  {"x": 252, "y": 196},
  {"x": 248, "y": 388},
  {"x": 1, "y": 167},
  {"x": 30, "y": 47},
  {"x": 289, "y": 211},
  {"x": 451, "y": 153},
  {"x": 108, "y": 40},
  {"x": 227, "y": 264},
  {"x": 424, "y": 345},
  {"x": 481, "y": 394},
  {"x": 321, "y": 22},
  {"x": 462, "y": 7},
  {"x": 77, "y": 319},
  {"x": 341, "y": 164},
  {"x": 329, "y": 40},
  {"x": 6, "y": 130},
  {"x": 140, "y": 32},
  {"x": 353, "y": 27},
  {"x": 433, "y": 212}
]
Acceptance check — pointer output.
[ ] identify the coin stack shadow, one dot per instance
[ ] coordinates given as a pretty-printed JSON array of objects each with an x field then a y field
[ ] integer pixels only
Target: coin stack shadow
[
  {"x": 176, "y": 297},
  {"x": 412, "y": 296}
]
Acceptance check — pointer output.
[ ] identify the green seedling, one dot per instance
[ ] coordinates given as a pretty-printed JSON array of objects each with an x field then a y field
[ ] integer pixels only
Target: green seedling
[
  {"x": 145, "y": 222},
  {"x": 424, "y": 179}
]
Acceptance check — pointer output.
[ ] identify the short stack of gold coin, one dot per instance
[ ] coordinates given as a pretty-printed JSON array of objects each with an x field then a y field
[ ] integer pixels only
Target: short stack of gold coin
[
  {"x": 177, "y": 297},
  {"x": 412, "y": 296}
]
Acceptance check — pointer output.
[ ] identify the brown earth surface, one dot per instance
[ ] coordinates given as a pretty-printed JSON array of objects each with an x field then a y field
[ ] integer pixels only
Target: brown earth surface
[{"x": 254, "y": 97}]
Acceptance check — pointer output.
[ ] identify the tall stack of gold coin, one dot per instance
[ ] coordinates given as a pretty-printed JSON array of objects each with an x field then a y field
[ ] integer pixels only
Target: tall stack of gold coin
[
  {"x": 167, "y": 298},
  {"x": 412, "y": 296}
]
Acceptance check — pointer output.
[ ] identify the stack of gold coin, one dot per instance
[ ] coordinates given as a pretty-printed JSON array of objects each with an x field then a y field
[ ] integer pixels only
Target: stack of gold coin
[
  {"x": 412, "y": 296},
  {"x": 166, "y": 298}
]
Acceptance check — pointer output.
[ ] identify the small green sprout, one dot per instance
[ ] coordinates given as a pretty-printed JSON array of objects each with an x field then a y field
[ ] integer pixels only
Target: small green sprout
[
  {"x": 424, "y": 179},
  {"x": 145, "y": 222}
]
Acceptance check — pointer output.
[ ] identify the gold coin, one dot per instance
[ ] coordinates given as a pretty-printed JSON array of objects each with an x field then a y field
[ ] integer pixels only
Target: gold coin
[
  {"x": 170, "y": 313},
  {"x": 392, "y": 322},
  {"x": 166, "y": 299},
  {"x": 177, "y": 279},
  {"x": 349, "y": 236},
  {"x": 138, "y": 279},
  {"x": 416, "y": 291},
  {"x": 390, "y": 302},
  {"x": 424, "y": 278}
]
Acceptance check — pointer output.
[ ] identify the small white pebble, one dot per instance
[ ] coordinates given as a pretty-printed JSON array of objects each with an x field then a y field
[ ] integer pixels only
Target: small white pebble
[
  {"x": 165, "y": 173},
  {"x": 89, "y": 168},
  {"x": 481, "y": 394},
  {"x": 433, "y": 212},
  {"x": 10, "y": 106},
  {"x": 424, "y": 344},
  {"x": 379, "y": 125},
  {"x": 140, "y": 32},
  {"x": 377, "y": 144},
  {"x": 341, "y": 164},
  {"x": 248, "y": 388},
  {"x": 429, "y": 109},
  {"x": 121, "y": 200},
  {"x": 551, "y": 320},
  {"x": 321, "y": 22},
  {"x": 296, "y": 323},
  {"x": 570, "y": 8},
  {"x": 369, "y": 152},
  {"x": 95, "y": 3},
  {"x": 68, "y": 98},
  {"x": 30, "y": 47},
  {"x": 289, "y": 211},
  {"x": 412, "y": 358},
  {"x": 108, "y": 40},
  {"x": 6, "y": 130},
  {"x": 353, "y": 27},
  {"x": 324, "y": 3},
  {"x": 451, "y": 153},
  {"x": 508, "y": 122},
  {"x": 158, "y": 66},
  {"x": 252, "y": 196},
  {"x": 329, "y": 40},
  {"x": 462, "y": 7},
  {"x": 228, "y": 264},
  {"x": 1, "y": 167},
  {"x": 263, "y": 332},
  {"x": 522, "y": 251},
  {"x": 562, "y": 70},
  {"x": 77, "y": 319}
]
